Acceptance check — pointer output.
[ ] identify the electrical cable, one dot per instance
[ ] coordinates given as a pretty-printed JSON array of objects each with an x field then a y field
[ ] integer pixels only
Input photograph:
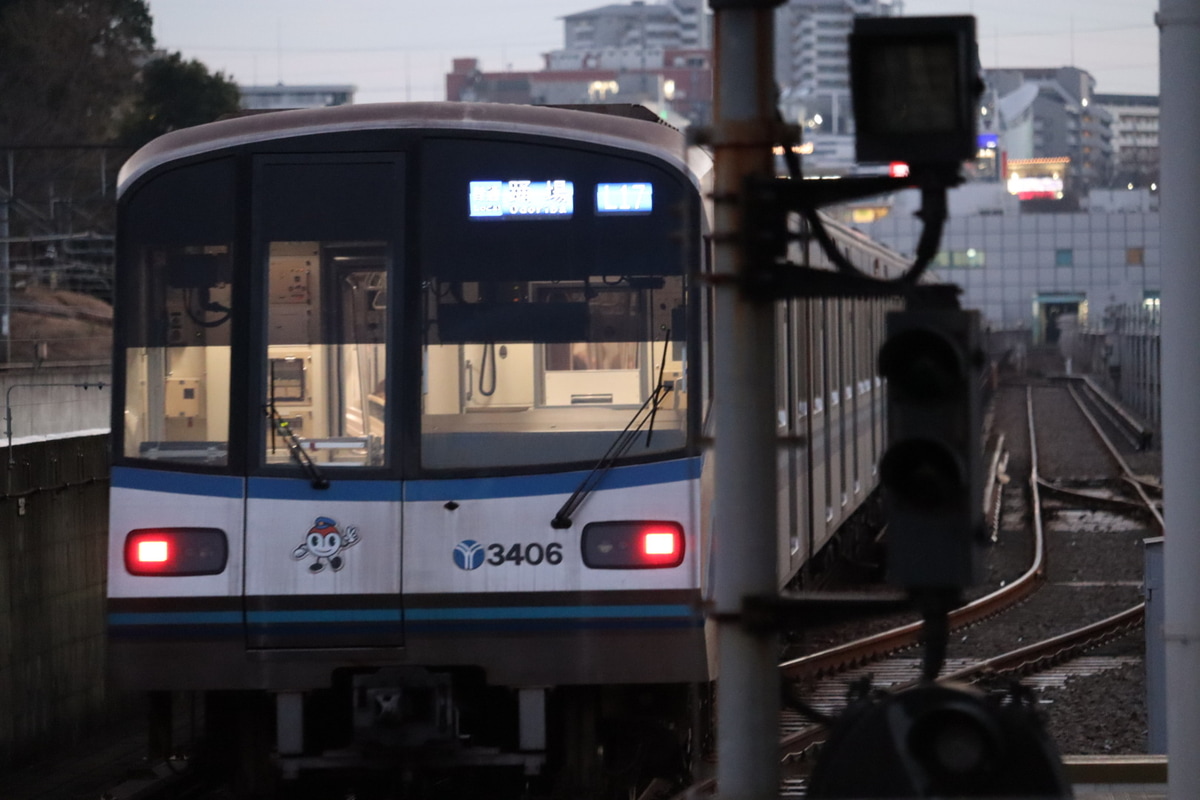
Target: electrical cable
[
  {"x": 933, "y": 214},
  {"x": 205, "y": 306}
]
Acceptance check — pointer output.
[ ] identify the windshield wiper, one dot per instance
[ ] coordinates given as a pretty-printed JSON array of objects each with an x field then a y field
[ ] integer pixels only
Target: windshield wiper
[
  {"x": 661, "y": 386},
  {"x": 644, "y": 417},
  {"x": 295, "y": 449}
]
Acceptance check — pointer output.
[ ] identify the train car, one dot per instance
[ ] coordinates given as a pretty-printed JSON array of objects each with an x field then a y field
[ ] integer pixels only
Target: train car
[{"x": 407, "y": 439}]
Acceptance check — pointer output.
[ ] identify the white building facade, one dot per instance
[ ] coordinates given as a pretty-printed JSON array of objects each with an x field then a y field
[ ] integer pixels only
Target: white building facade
[
  {"x": 1134, "y": 139},
  {"x": 674, "y": 24},
  {"x": 1023, "y": 270}
]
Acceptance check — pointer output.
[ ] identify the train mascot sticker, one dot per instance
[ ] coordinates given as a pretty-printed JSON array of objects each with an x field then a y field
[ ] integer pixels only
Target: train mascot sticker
[{"x": 324, "y": 542}]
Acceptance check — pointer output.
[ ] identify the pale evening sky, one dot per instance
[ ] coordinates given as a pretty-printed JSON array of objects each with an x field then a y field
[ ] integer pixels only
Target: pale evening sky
[{"x": 402, "y": 49}]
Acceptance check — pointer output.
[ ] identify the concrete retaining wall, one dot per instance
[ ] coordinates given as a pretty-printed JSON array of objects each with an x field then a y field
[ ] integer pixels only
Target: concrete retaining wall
[
  {"x": 53, "y": 529},
  {"x": 50, "y": 399}
]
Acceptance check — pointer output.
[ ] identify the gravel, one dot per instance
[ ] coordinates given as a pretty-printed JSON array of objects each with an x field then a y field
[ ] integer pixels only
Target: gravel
[
  {"x": 1101, "y": 714},
  {"x": 1094, "y": 569}
]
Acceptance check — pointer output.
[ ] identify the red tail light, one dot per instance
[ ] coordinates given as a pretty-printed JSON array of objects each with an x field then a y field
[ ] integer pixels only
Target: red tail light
[
  {"x": 176, "y": 551},
  {"x": 632, "y": 545},
  {"x": 659, "y": 543},
  {"x": 153, "y": 551}
]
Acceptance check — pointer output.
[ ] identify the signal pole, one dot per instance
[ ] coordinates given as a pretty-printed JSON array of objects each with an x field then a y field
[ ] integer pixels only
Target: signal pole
[
  {"x": 742, "y": 136},
  {"x": 5, "y": 281},
  {"x": 1179, "y": 68}
]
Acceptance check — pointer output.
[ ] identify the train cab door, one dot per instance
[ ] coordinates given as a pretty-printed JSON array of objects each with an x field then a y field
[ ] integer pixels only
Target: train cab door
[{"x": 323, "y": 512}]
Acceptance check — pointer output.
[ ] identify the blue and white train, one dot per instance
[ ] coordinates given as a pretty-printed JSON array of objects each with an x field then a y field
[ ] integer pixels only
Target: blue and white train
[{"x": 407, "y": 439}]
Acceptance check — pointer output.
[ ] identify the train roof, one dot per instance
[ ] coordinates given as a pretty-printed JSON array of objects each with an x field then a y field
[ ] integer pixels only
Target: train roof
[{"x": 626, "y": 126}]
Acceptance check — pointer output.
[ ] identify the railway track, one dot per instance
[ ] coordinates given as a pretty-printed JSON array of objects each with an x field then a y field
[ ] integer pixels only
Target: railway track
[{"x": 886, "y": 659}]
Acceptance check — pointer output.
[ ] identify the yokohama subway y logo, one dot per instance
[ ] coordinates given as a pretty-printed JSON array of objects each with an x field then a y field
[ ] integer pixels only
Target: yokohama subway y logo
[{"x": 468, "y": 554}]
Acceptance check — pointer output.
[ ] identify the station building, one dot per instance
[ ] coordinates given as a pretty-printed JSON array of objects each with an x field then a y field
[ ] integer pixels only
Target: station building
[{"x": 1024, "y": 270}]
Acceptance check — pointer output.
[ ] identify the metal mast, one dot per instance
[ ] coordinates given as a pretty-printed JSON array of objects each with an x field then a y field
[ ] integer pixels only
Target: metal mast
[
  {"x": 743, "y": 132},
  {"x": 1179, "y": 67}
]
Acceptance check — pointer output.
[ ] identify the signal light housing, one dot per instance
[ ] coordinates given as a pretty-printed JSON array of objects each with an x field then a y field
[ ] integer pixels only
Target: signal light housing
[
  {"x": 914, "y": 87},
  {"x": 939, "y": 740},
  {"x": 932, "y": 470},
  {"x": 633, "y": 545},
  {"x": 176, "y": 552}
]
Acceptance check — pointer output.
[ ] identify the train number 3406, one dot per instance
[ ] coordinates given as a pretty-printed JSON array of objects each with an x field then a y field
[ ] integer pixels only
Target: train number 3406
[
  {"x": 470, "y": 554},
  {"x": 532, "y": 554}
]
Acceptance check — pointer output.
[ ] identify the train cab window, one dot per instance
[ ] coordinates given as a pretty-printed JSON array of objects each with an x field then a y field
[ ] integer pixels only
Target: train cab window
[
  {"x": 326, "y": 370},
  {"x": 323, "y": 227},
  {"x": 554, "y": 311},
  {"x": 554, "y": 375},
  {"x": 176, "y": 267}
]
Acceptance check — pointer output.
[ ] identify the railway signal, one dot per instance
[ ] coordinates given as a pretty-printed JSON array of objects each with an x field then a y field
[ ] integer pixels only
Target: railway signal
[
  {"x": 932, "y": 472},
  {"x": 939, "y": 741},
  {"x": 914, "y": 87}
]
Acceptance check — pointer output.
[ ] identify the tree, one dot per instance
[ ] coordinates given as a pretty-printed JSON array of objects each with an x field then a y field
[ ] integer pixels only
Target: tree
[
  {"x": 176, "y": 94},
  {"x": 80, "y": 89},
  {"x": 66, "y": 67}
]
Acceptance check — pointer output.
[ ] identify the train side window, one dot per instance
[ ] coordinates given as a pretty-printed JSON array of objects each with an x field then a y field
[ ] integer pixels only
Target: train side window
[{"x": 176, "y": 273}]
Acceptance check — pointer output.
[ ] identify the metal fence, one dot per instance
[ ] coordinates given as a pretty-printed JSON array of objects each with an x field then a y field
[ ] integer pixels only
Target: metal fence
[{"x": 1122, "y": 352}]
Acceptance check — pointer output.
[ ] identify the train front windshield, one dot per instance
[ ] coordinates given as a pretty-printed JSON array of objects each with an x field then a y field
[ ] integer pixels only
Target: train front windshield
[
  {"x": 553, "y": 306},
  {"x": 461, "y": 305}
]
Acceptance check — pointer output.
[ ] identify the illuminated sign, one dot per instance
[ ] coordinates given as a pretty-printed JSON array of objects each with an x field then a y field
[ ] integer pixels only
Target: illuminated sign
[
  {"x": 1033, "y": 188},
  {"x": 521, "y": 199},
  {"x": 624, "y": 198}
]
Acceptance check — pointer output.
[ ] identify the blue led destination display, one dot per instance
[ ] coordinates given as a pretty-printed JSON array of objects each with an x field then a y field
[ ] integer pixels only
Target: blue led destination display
[
  {"x": 522, "y": 199},
  {"x": 624, "y": 198}
]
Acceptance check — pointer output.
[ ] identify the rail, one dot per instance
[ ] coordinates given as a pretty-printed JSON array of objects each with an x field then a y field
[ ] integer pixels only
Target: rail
[
  {"x": 1127, "y": 471},
  {"x": 1140, "y": 434},
  {"x": 882, "y": 644}
]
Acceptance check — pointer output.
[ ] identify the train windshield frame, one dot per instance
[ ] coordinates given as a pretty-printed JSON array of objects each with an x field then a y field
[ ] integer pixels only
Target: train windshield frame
[{"x": 344, "y": 294}]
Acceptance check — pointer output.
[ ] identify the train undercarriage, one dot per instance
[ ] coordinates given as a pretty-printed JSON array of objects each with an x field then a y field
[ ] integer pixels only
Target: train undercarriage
[{"x": 421, "y": 733}]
